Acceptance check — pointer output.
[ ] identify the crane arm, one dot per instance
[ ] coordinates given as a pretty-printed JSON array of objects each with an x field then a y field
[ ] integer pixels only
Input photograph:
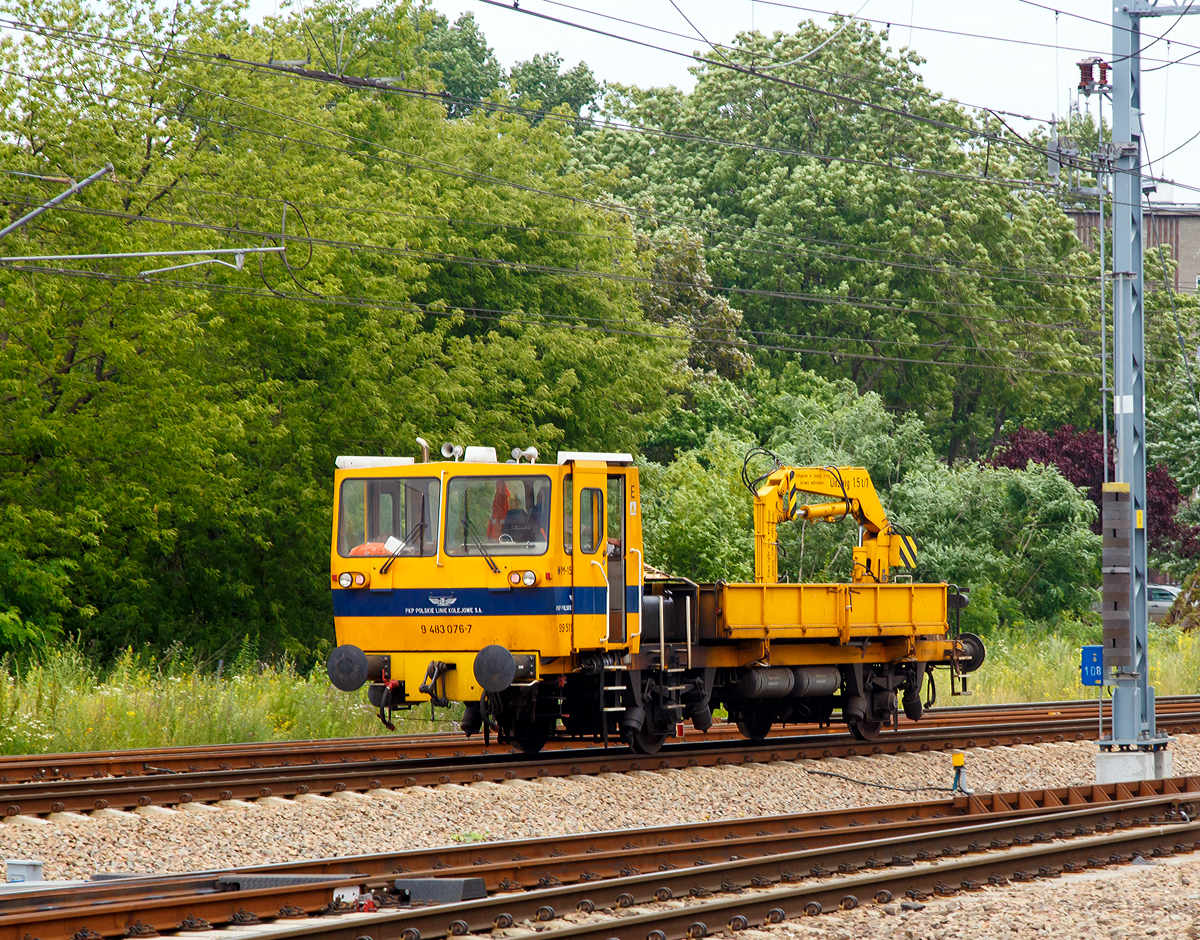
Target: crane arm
[{"x": 776, "y": 500}]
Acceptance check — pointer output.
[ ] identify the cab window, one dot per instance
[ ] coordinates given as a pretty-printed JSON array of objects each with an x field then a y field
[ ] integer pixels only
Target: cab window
[
  {"x": 372, "y": 511},
  {"x": 568, "y": 511},
  {"x": 616, "y": 516},
  {"x": 497, "y": 515},
  {"x": 591, "y": 519}
]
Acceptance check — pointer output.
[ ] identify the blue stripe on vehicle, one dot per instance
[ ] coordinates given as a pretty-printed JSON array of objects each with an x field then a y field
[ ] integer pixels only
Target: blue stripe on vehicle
[
  {"x": 461, "y": 602},
  {"x": 633, "y": 599}
]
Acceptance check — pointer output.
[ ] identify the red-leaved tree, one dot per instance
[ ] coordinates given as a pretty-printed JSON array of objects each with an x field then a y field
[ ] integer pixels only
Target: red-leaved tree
[{"x": 1077, "y": 455}]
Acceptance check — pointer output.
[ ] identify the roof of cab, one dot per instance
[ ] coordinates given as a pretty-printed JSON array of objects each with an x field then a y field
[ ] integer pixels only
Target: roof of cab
[
  {"x": 568, "y": 456},
  {"x": 363, "y": 463}
]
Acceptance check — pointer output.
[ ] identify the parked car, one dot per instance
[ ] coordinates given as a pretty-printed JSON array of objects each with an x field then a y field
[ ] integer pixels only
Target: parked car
[{"x": 1160, "y": 599}]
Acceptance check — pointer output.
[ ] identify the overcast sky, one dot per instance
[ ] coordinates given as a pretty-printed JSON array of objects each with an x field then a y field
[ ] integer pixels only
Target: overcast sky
[{"x": 1021, "y": 57}]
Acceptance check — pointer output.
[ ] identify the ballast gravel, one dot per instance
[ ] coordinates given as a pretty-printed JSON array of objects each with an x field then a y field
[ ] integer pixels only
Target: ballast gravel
[
  {"x": 1151, "y": 901},
  {"x": 393, "y": 820},
  {"x": 1160, "y": 900}
]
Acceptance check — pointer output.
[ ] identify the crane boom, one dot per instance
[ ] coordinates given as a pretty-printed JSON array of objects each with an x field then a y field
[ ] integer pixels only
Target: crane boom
[{"x": 776, "y": 500}]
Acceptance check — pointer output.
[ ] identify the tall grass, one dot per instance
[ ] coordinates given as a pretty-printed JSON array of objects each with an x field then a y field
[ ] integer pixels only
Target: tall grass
[
  {"x": 1044, "y": 667},
  {"x": 63, "y": 703}
]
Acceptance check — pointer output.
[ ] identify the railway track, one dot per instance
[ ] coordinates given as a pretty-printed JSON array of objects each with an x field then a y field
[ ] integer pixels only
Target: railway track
[
  {"x": 1179, "y": 714},
  {"x": 366, "y": 769},
  {"x": 688, "y": 880}
]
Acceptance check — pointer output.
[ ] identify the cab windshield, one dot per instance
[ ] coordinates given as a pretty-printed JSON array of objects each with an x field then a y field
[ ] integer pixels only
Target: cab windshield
[
  {"x": 497, "y": 515},
  {"x": 372, "y": 511}
]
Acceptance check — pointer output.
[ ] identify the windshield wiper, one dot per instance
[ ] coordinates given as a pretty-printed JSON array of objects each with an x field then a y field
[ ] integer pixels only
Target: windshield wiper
[
  {"x": 402, "y": 546},
  {"x": 470, "y": 526}
]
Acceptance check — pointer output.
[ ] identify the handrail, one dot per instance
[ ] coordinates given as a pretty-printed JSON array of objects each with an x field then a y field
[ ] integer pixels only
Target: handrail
[
  {"x": 441, "y": 516},
  {"x": 607, "y": 601},
  {"x": 641, "y": 593}
]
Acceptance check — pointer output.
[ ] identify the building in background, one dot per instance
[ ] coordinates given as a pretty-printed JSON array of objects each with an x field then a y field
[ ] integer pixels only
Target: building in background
[{"x": 1176, "y": 226}]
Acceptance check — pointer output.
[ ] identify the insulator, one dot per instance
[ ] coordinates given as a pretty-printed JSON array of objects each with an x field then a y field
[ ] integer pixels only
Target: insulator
[
  {"x": 1104, "y": 66},
  {"x": 1085, "y": 73}
]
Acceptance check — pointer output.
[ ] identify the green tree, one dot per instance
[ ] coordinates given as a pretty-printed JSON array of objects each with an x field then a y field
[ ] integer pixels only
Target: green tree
[
  {"x": 167, "y": 440},
  {"x": 678, "y": 292},
  {"x": 459, "y": 53},
  {"x": 1019, "y": 540},
  {"x": 541, "y": 83},
  {"x": 857, "y": 215}
]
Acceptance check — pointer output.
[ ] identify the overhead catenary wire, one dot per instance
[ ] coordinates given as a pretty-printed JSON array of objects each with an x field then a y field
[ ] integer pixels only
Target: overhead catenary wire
[
  {"x": 781, "y": 249},
  {"x": 19, "y": 264},
  {"x": 813, "y": 51},
  {"x": 609, "y": 207},
  {"x": 225, "y": 60},
  {"x": 750, "y": 70},
  {"x": 930, "y": 95},
  {"x": 688, "y": 20},
  {"x": 450, "y": 168},
  {"x": 1087, "y": 19},
  {"x": 493, "y": 314},
  {"x": 955, "y": 32},
  {"x": 243, "y": 232},
  {"x": 824, "y": 299},
  {"x": 827, "y": 299},
  {"x": 863, "y": 302},
  {"x": 892, "y": 166},
  {"x": 753, "y": 70}
]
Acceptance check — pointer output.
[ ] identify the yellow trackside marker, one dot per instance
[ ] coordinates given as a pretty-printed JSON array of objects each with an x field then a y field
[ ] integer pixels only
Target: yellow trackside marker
[
  {"x": 959, "y": 761},
  {"x": 1139, "y": 518}
]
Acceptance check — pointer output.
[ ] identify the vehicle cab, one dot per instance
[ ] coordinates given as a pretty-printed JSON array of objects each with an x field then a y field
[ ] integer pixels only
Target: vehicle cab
[{"x": 437, "y": 564}]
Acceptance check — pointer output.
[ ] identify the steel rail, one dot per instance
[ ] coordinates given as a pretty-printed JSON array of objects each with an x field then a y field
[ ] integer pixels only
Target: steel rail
[
  {"x": 1179, "y": 714},
  {"x": 945, "y": 878},
  {"x": 56, "y": 796},
  {"x": 497, "y": 862},
  {"x": 971, "y": 825}
]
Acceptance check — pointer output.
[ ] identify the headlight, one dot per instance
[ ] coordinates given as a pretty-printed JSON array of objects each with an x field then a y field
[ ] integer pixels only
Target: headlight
[
  {"x": 345, "y": 579},
  {"x": 529, "y": 579},
  {"x": 514, "y": 577}
]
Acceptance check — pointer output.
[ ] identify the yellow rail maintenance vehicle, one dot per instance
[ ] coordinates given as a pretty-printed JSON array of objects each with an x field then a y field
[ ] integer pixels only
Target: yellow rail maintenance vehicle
[{"x": 520, "y": 589}]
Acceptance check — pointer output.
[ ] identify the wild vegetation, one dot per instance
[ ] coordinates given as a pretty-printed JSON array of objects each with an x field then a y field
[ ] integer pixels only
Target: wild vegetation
[
  {"x": 63, "y": 703},
  {"x": 830, "y": 260}
]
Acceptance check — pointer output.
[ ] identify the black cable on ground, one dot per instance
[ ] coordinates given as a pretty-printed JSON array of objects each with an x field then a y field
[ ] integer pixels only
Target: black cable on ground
[{"x": 881, "y": 786}]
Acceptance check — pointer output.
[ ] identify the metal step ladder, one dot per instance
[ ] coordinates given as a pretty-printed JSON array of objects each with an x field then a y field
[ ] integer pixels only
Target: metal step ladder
[{"x": 612, "y": 685}]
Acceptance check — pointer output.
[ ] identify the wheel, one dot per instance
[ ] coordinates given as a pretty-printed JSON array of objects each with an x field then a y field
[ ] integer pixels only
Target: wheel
[
  {"x": 755, "y": 724},
  {"x": 531, "y": 736},
  {"x": 865, "y": 730},
  {"x": 648, "y": 741},
  {"x": 529, "y": 745}
]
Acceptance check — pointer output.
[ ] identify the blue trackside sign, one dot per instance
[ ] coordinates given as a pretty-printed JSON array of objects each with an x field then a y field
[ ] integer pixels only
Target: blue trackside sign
[{"x": 1091, "y": 665}]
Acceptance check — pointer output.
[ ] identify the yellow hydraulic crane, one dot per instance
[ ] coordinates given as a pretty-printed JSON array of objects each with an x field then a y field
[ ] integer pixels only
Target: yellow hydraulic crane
[{"x": 880, "y": 547}]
